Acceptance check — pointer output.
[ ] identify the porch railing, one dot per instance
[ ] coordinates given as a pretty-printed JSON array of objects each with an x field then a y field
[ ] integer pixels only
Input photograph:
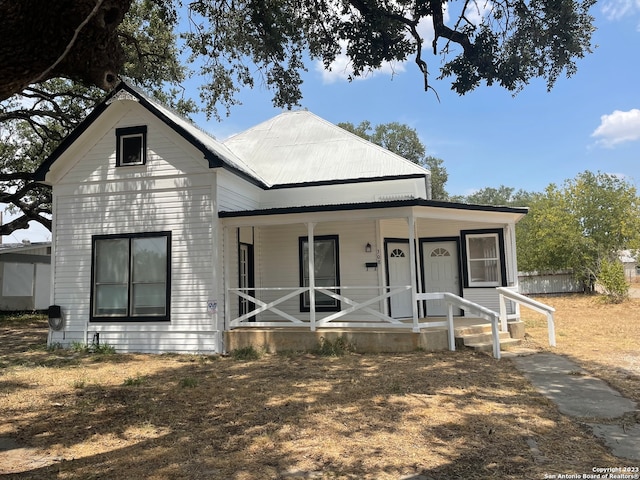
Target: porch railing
[
  {"x": 507, "y": 293},
  {"x": 384, "y": 320},
  {"x": 327, "y": 321}
]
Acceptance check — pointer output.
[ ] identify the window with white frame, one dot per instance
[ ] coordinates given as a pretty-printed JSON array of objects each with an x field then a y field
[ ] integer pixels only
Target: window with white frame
[
  {"x": 484, "y": 258},
  {"x": 326, "y": 271},
  {"x": 131, "y": 277},
  {"x": 131, "y": 147}
]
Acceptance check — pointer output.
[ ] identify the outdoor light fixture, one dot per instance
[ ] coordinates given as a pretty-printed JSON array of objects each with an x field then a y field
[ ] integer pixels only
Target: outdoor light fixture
[
  {"x": 367, "y": 248},
  {"x": 55, "y": 317}
]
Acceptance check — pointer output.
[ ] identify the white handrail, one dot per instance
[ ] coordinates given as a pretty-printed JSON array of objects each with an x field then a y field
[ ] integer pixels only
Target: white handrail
[
  {"x": 472, "y": 308},
  {"x": 530, "y": 303}
]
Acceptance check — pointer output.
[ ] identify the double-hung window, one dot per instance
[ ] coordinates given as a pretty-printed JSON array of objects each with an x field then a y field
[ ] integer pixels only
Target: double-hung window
[
  {"x": 131, "y": 146},
  {"x": 326, "y": 271},
  {"x": 131, "y": 277},
  {"x": 484, "y": 258}
]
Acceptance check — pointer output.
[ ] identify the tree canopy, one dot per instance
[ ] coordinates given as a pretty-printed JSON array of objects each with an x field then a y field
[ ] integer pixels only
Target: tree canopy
[
  {"x": 590, "y": 219},
  {"x": 403, "y": 140},
  {"x": 33, "y": 123},
  {"x": 246, "y": 42}
]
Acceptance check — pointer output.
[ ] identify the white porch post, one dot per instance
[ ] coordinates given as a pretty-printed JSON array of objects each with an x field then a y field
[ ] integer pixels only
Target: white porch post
[
  {"x": 412, "y": 266},
  {"x": 226, "y": 248},
  {"x": 312, "y": 276}
]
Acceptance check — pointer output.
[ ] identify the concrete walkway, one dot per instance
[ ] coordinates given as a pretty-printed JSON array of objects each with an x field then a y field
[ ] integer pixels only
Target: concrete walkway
[{"x": 584, "y": 397}]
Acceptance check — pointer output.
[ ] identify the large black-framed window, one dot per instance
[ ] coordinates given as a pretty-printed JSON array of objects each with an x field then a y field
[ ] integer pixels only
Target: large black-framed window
[
  {"x": 131, "y": 277},
  {"x": 327, "y": 271},
  {"x": 484, "y": 262},
  {"x": 131, "y": 146}
]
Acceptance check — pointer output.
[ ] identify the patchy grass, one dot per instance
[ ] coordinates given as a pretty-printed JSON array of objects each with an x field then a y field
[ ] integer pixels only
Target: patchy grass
[{"x": 442, "y": 415}]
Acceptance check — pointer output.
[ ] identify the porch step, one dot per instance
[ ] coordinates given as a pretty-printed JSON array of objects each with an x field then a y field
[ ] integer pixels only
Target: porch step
[{"x": 479, "y": 338}]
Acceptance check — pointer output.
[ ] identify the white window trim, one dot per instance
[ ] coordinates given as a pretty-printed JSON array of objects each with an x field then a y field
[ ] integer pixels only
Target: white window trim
[{"x": 497, "y": 259}]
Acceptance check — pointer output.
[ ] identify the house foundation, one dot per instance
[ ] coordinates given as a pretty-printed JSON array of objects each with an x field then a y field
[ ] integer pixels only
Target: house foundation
[{"x": 369, "y": 341}]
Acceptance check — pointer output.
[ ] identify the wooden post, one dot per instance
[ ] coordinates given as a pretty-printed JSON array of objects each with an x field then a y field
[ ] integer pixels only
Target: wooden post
[
  {"x": 412, "y": 267},
  {"x": 452, "y": 339},
  {"x": 312, "y": 276}
]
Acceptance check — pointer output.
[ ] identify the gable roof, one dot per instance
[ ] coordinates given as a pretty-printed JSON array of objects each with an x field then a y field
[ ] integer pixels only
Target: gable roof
[
  {"x": 299, "y": 147},
  {"x": 217, "y": 154},
  {"x": 291, "y": 149}
]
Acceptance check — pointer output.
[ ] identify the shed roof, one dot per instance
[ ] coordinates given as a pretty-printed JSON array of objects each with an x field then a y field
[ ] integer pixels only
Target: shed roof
[{"x": 300, "y": 147}]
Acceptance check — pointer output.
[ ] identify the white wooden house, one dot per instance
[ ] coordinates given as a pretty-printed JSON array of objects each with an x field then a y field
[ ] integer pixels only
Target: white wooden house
[{"x": 165, "y": 239}]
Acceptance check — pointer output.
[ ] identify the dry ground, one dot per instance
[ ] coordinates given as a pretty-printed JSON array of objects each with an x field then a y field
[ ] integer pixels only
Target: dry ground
[
  {"x": 603, "y": 338},
  {"x": 443, "y": 415}
]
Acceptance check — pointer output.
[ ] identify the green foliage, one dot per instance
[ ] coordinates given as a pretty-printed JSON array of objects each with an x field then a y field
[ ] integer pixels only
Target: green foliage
[
  {"x": 336, "y": 348},
  {"x": 593, "y": 216},
  {"x": 245, "y": 42},
  {"x": 503, "y": 195},
  {"x": 245, "y": 353},
  {"x": 98, "y": 349},
  {"x": 33, "y": 123},
  {"x": 612, "y": 279},
  {"x": 134, "y": 381},
  {"x": 403, "y": 140},
  {"x": 188, "y": 382}
]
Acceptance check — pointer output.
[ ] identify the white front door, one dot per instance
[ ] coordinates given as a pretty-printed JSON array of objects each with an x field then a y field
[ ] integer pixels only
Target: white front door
[
  {"x": 441, "y": 273},
  {"x": 399, "y": 274}
]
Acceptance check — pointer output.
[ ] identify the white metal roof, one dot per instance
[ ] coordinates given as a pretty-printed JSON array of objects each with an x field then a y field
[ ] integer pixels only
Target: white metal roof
[{"x": 300, "y": 147}]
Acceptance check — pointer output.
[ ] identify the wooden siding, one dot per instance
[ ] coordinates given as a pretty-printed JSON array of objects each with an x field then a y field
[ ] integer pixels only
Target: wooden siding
[
  {"x": 400, "y": 189},
  {"x": 174, "y": 192},
  {"x": 235, "y": 194},
  {"x": 277, "y": 262},
  {"x": 435, "y": 228}
]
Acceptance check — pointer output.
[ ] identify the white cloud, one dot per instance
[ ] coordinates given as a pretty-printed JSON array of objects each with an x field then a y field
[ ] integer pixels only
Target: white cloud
[
  {"x": 341, "y": 68},
  {"x": 618, "y": 9},
  {"x": 618, "y": 127}
]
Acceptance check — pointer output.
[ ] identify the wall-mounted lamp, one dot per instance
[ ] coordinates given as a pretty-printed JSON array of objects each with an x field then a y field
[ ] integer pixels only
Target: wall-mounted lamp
[
  {"x": 55, "y": 317},
  {"x": 367, "y": 248}
]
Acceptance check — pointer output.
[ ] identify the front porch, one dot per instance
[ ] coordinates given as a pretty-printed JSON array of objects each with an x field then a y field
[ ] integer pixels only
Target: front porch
[{"x": 375, "y": 340}]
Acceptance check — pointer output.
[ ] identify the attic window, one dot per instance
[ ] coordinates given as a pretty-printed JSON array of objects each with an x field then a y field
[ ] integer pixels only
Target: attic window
[{"x": 131, "y": 148}]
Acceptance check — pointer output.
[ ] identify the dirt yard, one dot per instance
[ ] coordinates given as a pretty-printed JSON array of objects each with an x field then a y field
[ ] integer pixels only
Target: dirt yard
[{"x": 446, "y": 415}]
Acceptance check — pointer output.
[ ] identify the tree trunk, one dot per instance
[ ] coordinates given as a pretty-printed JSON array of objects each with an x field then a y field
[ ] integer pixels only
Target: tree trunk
[{"x": 76, "y": 39}]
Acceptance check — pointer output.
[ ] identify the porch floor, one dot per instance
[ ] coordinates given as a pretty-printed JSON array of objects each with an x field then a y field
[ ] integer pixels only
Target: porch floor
[{"x": 364, "y": 340}]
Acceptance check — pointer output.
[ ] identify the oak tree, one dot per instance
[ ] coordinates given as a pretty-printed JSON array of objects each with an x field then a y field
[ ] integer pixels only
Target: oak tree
[
  {"x": 34, "y": 122},
  {"x": 403, "y": 140}
]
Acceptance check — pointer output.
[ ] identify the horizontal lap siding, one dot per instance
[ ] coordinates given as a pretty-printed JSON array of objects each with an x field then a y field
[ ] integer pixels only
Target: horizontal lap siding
[
  {"x": 96, "y": 198},
  {"x": 277, "y": 263}
]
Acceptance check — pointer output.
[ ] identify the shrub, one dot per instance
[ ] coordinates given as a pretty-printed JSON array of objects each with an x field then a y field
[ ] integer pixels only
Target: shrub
[
  {"x": 245, "y": 353},
  {"x": 337, "y": 348},
  {"x": 189, "y": 382},
  {"x": 612, "y": 280}
]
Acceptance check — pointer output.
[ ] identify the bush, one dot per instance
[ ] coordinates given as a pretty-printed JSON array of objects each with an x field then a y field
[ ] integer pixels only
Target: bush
[
  {"x": 337, "y": 348},
  {"x": 612, "y": 280},
  {"x": 245, "y": 353}
]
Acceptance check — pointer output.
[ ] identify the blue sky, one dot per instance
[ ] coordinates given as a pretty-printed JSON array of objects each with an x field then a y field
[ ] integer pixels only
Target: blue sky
[{"x": 488, "y": 137}]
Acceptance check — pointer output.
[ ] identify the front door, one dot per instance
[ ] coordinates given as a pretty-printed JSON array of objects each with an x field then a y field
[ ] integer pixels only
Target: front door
[
  {"x": 399, "y": 274},
  {"x": 441, "y": 273}
]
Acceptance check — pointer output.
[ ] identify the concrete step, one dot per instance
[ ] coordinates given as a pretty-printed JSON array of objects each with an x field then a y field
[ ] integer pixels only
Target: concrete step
[
  {"x": 480, "y": 338},
  {"x": 483, "y": 337},
  {"x": 505, "y": 344},
  {"x": 472, "y": 330}
]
